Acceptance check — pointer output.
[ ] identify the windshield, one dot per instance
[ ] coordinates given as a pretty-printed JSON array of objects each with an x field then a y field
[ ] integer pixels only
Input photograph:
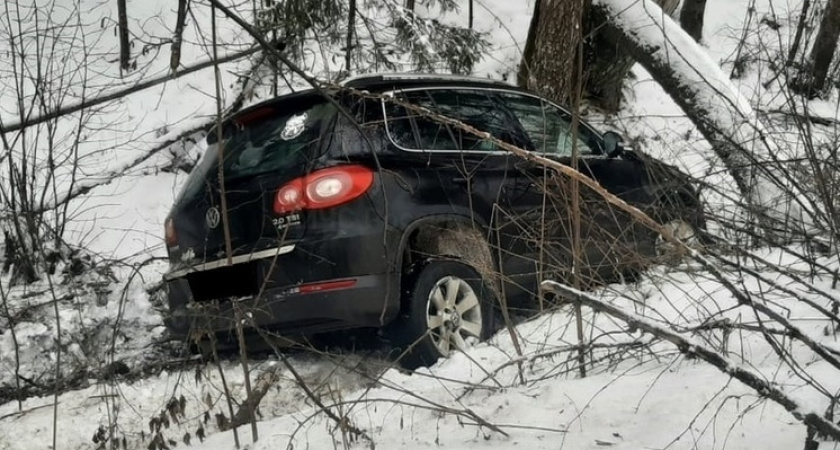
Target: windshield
[{"x": 269, "y": 140}]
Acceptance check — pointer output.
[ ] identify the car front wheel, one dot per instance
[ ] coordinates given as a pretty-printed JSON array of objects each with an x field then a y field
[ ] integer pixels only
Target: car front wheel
[
  {"x": 449, "y": 307},
  {"x": 680, "y": 229}
]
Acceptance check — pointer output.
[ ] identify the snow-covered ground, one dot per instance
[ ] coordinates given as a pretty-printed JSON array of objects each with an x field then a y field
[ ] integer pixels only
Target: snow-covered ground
[{"x": 632, "y": 397}]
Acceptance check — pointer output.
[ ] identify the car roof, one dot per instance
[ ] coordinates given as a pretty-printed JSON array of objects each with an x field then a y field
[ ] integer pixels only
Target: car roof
[
  {"x": 385, "y": 82},
  {"x": 395, "y": 81}
]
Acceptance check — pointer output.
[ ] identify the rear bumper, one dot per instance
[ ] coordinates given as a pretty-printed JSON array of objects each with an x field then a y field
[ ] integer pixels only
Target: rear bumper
[
  {"x": 345, "y": 281},
  {"x": 287, "y": 310}
]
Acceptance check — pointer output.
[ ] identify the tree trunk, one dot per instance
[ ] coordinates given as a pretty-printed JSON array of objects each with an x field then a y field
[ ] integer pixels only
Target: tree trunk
[
  {"x": 800, "y": 29},
  {"x": 551, "y": 67},
  {"x": 691, "y": 18},
  {"x": 351, "y": 28},
  {"x": 125, "y": 51},
  {"x": 825, "y": 45},
  {"x": 606, "y": 65},
  {"x": 524, "y": 72},
  {"x": 178, "y": 37},
  {"x": 811, "y": 442}
]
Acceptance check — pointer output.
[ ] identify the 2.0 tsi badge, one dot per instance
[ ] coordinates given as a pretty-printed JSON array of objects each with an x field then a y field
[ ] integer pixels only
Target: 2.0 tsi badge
[{"x": 212, "y": 217}]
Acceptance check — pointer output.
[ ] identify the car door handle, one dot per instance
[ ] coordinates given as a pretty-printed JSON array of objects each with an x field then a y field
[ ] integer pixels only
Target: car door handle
[{"x": 459, "y": 180}]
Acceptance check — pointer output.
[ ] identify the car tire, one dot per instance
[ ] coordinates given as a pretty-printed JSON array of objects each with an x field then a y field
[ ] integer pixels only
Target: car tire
[
  {"x": 663, "y": 252},
  {"x": 448, "y": 307}
]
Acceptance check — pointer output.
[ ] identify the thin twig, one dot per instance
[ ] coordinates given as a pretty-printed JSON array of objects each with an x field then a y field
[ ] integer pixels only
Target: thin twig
[{"x": 697, "y": 349}]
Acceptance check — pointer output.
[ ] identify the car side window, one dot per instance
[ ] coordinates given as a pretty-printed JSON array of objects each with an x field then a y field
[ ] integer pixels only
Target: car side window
[
  {"x": 475, "y": 108},
  {"x": 549, "y": 127},
  {"x": 413, "y": 131}
]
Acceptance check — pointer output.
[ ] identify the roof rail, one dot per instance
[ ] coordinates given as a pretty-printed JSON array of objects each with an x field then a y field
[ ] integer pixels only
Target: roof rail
[{"x": 361, "y": 80}]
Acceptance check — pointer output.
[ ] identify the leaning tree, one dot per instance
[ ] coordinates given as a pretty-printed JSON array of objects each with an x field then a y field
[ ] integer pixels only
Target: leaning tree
[{"x": 616, "y": 33}]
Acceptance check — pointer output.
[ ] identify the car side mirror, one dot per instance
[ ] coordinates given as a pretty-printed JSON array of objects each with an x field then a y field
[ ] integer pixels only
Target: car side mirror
[{"x": 612, "y": 143}]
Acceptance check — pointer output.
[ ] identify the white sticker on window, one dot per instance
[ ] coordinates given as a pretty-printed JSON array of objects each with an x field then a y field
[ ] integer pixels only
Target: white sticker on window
[{"x": 294, "y": 127}]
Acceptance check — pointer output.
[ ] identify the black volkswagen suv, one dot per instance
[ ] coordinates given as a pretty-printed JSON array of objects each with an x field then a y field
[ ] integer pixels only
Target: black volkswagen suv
[{"x": 345, "y": 209}]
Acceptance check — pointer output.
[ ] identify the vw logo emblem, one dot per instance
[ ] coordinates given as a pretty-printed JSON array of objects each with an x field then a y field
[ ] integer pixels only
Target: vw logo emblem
[{"x": 212, "y": 217}]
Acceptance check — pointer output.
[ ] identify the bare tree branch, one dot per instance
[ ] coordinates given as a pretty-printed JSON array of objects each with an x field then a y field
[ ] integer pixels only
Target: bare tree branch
[
  {"x": 694, "y": 348},
  {"x": 123, "y": 92}
]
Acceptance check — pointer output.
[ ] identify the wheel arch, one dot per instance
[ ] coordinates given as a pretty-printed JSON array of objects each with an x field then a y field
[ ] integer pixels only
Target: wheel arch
[{"x": 448, "y": 236}]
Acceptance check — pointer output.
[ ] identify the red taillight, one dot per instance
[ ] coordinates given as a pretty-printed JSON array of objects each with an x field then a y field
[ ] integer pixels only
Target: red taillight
[
  {"x": 324, "y": 188},
  {"x": 290, "y": 197},
  {"x": 170, "y": 237}
]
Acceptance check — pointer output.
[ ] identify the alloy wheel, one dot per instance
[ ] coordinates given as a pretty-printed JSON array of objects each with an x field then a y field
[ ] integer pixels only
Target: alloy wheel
[{"x": 453, "y": 315}]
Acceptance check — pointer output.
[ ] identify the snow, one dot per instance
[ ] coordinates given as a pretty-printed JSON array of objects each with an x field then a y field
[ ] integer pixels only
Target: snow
[
  {"x": 632, "y": 397},
  {"x": 730, "y": 114}
]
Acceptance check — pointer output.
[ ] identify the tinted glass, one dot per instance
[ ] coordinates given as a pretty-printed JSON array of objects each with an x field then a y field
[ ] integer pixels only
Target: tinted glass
[
  {"x": 549, "y": 127},
  {"x": 269, "y": 140},
  {"x": 266, "y": 144},
  {"x": 417, "y": 132}
]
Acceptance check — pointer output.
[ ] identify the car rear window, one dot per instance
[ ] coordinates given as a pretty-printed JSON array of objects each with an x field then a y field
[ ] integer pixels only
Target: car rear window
[
  {"x": 276, "y": 138},
  {"x": 265, "y": 140}
]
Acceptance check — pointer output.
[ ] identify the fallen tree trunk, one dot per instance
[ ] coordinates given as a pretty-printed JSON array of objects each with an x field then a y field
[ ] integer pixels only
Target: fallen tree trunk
[
  {"x": 607, "y": 65},
  {"x": 704, "y": 92}
]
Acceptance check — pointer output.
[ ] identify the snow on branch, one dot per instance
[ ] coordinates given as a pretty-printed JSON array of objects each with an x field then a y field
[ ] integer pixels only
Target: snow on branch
[
  {"x": 709, "y": 98},
  {"x": 694, "y": 348}
]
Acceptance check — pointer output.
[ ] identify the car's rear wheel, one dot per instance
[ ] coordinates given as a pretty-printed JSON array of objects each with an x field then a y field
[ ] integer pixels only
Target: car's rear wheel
[{"x": 449, "y": 308}]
